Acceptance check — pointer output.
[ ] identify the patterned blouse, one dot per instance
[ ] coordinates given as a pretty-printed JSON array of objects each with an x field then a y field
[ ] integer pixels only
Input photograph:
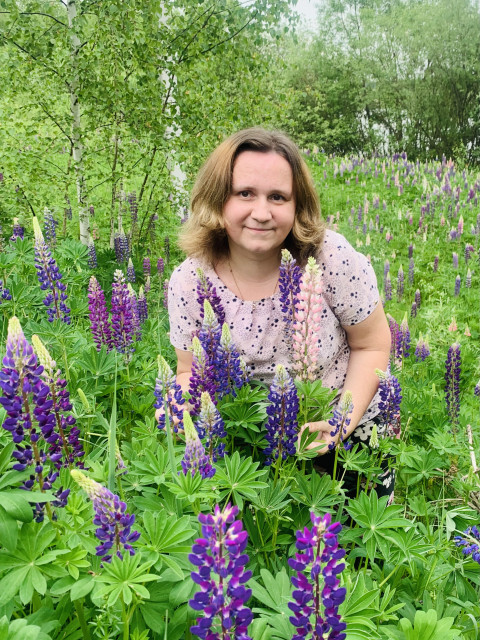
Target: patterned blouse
[{"x": 349, "y": 291}]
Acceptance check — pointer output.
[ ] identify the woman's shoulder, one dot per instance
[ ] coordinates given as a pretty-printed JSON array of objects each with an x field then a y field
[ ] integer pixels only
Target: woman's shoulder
[
  {"x": 187, "y": 270},
  {"x": 334, "y": 247}
]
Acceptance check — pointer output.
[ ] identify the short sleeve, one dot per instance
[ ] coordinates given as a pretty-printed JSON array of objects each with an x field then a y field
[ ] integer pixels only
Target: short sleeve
[
  {"x": 183, "y": 310},
  {"x": 349, "y": 282}
]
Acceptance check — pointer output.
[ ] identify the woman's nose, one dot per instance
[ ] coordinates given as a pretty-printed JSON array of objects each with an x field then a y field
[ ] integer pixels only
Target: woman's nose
[{"x": 261, "y": 210}]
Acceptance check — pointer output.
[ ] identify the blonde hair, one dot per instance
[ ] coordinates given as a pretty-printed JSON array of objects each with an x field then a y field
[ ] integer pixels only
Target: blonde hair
[{"x": 203, "y": 235}]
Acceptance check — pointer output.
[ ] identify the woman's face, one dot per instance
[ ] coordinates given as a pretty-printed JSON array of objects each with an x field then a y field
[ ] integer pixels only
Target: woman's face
[{"x": 260, "y": 210}]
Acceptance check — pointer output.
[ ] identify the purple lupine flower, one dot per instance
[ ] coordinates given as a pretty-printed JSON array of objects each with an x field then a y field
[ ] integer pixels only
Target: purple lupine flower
[
  {"x": 341, "y": 419},
  {"x": 220, "y": 559},
  {"x": 50, "y": 278},
  {"x": 282, "y": 425},
  {"x": 458, "y": 284},
  {"x": 113, "y": 522},
  {"x": 168, "y": 392},
  {"x": 228, "y": 371},
  {"x": 24, "y": 390},
  {"x": 403, "y": 340},
  {"x": 130, "y": 271},
  {"x": 318, "y": 556},
  {"x": 92, "y": 254},
  {"x": 455, "y": 260},
  {"x": 142, "y": 306},
  {"x": 422, "y": 350},
  {"x": 203, "y": 375},
  {"x": 470, "y": 541},
  {"x": 123, "y": 330},
  {"x": 388, "y": 287},
  {"x": 435, "y": 264},
  {"x": 476, "y": 391},
  {"x": 49, "y": 227},
  {"x": 394, "y": 329},
  {"x": 6, "y": 295},
  {"x": 306, "y": 327},
  {"x": 165, "y": 293},
  {"x": 389, "y": 405},
  {"x": 418, "y": 298},
  {"x": 99, "y": 323},
  {"x": 133, "y": 205},
  {"x": 411, "y": 271},
  {"x": 400, "y": 283},
  {"x": 66, "y": 450},
  {"x": 468, "y": 279},
  {"x": 166, "y": 248},
  {"x": 410, "y": 251},
  {"x": 469, "y": 249},
  {"x": 453, "y": 365},
  {"x": 122, "y": 249},
  {"x": 160, "y": 266},
  {"x": 413, "y": 310},
  {"x": 195, "y": 459},
  {"x": 91, "y": 210},
  {"x": 386, "y": 269},
  {"x": 147, "y": 267},
  {"x": 135, "y": 313},
  {"x": 206, "y": 291},
  {"x": 210, "y": 426},
  {"x": 210, "y": 333},
  {"x": 17, "y": 231},
  {"x": 289, "y": 286}
]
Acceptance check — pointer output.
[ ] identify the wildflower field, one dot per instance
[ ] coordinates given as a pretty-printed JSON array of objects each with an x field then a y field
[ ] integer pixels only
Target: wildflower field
[{"x": 116, "y": 525}]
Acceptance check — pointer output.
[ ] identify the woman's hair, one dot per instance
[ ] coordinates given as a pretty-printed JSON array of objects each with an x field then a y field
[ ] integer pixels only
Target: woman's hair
[{"x": 204, "y": 236}]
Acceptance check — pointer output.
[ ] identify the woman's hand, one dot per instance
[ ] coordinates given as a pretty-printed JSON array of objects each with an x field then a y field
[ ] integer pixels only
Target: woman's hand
[{"x": 323, "y": 430}]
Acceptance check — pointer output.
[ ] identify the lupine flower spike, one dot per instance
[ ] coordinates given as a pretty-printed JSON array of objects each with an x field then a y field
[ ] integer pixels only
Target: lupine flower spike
[
  {"x": 50, "y": 278},
  {"x": 307, "y": 323},
  {"x": 23, "y": 390},
  {"x": 206, "y": 291},
  {"x": 220, "y": 559},
  {"x": 92, "y": 254},
  {"x": 203, "y": 376},
  {"x": 210, "y": 426},
  {"x": 113, "y": 522},
  {"x": 317, "y": 594},
  {"x": 229, "y": 373},
  {"x": 123, "y": 329},
  {"x": 142, "y": 306},
  {"x": 99, "y": 323},
  {"x": 282, "y": 425},
  {"x": 453, "y": 366},
  {"x": 67, "y": 450},
  {"x": 422, "y": 350},
  {"x": 289, "y": 285},
  {"x": 135, "y": 313},
  {"x": 389, "y": 405},
  {"x": 195, "y": 459},
  {"x": 210, "y": 333},
  {"x": 168, "y": 392},
  {"x": 341, "y": 419},
  {"x": 130, "y": 271},
  {"x": 403, "y": 340},
  {"x": 17, "y": 231}
]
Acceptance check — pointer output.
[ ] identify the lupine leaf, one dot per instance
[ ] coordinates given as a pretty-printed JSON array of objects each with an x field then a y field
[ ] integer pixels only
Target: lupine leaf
[{"x": 240, "y": 478}]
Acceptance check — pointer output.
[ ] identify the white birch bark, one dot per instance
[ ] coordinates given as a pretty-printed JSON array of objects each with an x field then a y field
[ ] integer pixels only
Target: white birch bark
[{"x": 83, "y": 214}]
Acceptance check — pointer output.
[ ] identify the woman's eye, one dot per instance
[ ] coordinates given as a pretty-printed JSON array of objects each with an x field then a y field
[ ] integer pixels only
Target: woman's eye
[
  {"x": 244, "y": 194},
  {"x": 277, "y": 197}
]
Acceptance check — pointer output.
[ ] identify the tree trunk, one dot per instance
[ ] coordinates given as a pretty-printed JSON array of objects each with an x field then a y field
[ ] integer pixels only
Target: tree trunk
[{"x": 83, "y": 214}]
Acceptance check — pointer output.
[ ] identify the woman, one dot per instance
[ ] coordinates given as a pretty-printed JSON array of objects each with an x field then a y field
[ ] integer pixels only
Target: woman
[{"x": 253, "y": 197}]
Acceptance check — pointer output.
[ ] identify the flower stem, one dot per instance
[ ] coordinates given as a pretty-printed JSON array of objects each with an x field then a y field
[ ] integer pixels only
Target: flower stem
[{"x": 81, "y": 618}]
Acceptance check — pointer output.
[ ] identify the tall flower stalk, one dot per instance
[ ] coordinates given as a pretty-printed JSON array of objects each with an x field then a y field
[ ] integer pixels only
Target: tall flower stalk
[
  {"x": 389, "y": 404},
  {"x": 168, "y": 394},
  {"x": 50, "y": 278},
  {"x": 203, "y": 376},
  {"x": 210, "y": 426},
  {"x": 114, "y": 523},
  {"x": 27, "y": 402},
  {"x": 289, "y": 286},
  {"x": 453, "y": 365},
  {"x": 123, "y": 329},
  {"x": 282, "y": 424},
  {"x": 229, "y": 374},
  {"x": 220, "y": 559},
  {"x": 206, "y": 291},
  {"x": 99, "y": 322},
  {"x": 306, "y": 327},
  {"x": 195, "y": 459},
  {"x": 318, "y": 595}
]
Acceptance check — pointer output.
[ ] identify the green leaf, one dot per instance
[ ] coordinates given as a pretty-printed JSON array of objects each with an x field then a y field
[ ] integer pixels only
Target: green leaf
[
  {"x": 240, "y": 478},
  {"x": 81, "y": 588},
  {"x": 8, "y": 530}
]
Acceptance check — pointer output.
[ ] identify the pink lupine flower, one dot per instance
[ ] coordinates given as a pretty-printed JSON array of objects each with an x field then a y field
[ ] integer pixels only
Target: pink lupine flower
[
  {"x": 306, "y": 326},
  {"x": 453, "y": 325}
]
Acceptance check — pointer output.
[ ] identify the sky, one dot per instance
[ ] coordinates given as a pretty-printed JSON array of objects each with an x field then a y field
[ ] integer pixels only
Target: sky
[{"x": 307, "y": 10}]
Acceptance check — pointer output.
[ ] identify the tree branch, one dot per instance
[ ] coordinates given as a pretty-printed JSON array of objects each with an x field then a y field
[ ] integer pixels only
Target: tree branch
[
  {"x": 38, "y": 13},
  {"x": 55, "y": 122}
]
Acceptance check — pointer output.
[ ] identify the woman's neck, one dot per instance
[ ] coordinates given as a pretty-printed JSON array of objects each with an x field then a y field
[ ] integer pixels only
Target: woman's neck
[{"x": 254, "y": 269}]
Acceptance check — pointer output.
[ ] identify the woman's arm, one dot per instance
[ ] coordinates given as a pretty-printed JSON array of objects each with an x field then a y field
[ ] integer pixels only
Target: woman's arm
[
  {"x": 184, "y": 368},
  {"x": 369, "y": 343}
]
